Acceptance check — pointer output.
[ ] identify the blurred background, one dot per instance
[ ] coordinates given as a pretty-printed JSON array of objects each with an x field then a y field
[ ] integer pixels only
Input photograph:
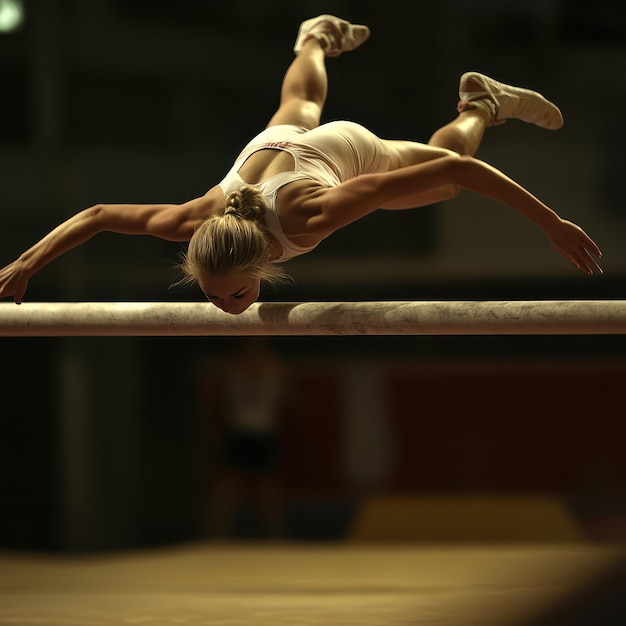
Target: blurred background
[{"x": 112, "y": 443}]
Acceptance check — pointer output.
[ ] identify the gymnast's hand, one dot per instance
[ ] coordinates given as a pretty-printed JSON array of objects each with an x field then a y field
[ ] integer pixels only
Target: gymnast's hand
[
  {"x": 13, "y": 281},
  {"x": 576, "y": 246}
]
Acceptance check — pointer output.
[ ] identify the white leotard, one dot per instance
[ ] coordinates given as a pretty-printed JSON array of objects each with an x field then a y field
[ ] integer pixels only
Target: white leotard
[{"x": 328, "y": 154}]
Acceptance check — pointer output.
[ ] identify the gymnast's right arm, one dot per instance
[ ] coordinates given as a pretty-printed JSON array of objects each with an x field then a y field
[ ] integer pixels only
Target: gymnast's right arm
[{"x": 173, "y": 222}]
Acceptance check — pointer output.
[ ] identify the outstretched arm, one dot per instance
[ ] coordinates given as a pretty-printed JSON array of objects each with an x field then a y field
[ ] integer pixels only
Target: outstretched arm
[
  {"x": 168, "y": 221},
  {"x": 567, "y": 238},
  {"x": 359, "y": 196}
]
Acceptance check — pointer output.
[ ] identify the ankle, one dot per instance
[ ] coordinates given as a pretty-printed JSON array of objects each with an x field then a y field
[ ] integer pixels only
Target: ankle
[
  {"x": 483, "y": 108},
  {"x": 325, "y": 40},
  {"x": 336, "y": 35}
]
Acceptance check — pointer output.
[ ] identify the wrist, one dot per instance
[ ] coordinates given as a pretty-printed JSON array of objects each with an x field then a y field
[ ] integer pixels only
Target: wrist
[
  {"x": 549, "y": 221},
  {"x": 26, "y": 264}
]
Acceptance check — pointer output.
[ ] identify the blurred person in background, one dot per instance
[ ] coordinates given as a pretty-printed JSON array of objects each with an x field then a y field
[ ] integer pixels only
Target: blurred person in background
[{"x": 251, "y": 384}]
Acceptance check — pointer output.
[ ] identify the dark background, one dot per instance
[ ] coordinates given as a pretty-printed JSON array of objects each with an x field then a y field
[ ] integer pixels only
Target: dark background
[{"x": 105, "y": 442}]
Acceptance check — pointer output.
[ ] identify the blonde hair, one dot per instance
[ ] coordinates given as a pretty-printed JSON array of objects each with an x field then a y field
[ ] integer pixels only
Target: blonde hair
[{"x": 233, "y": 243}]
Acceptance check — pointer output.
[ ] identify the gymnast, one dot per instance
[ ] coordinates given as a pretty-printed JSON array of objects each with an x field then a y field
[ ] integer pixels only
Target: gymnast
[{"x": 297, "y": 182}]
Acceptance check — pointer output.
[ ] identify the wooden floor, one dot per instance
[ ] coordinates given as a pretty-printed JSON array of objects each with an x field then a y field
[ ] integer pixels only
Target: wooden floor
[{"x": 276, "y": 585}]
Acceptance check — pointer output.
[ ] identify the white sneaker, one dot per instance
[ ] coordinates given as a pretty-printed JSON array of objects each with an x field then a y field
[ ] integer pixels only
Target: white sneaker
[
  {"x": 507, "y": 102},
  {"x": 338, "y": 34}
]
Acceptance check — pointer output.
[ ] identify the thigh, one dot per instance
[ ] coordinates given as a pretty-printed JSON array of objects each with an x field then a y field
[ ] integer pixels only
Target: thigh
[
  {"x": 296, "y": 112},
  {"x": 404, "y": 153}
]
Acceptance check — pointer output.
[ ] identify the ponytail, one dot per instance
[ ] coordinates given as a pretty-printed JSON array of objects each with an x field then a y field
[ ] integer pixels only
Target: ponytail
[{"x": 234, "y": 243}]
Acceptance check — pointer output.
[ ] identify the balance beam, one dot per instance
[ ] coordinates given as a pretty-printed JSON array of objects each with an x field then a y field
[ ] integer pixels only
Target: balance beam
[{"x": 99, "y": 319}]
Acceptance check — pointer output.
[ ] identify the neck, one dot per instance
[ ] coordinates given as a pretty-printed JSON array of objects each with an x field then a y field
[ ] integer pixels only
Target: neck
[{"x": 275, "y": 249}]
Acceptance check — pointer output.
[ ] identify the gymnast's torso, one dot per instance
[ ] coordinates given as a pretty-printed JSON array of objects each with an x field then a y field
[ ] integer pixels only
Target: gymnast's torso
[{"x": 304, "y": 160}]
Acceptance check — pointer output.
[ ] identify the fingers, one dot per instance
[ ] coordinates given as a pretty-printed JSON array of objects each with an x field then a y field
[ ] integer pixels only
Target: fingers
[
  {"x": 19, "y": 292},
  {"x": 582, "y": 251},
  {"x": 15, "y": 288},
  {"x": 590, "y": 250},
  {"x": 584, "y": 261},
  {"x": 590, "y": 244},
  {"x": 592, "y": 265}
]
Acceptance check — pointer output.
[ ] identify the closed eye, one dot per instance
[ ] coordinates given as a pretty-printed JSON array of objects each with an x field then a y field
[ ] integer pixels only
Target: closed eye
[{"x": 237, "y": 296}]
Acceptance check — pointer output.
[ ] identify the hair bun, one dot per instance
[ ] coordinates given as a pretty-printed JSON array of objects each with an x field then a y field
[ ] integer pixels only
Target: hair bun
[
  {"x": 247, "y": 203},
  {"x": 234, "y": 201}
]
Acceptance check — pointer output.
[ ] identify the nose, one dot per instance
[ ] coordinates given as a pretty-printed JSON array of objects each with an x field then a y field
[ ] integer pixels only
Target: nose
[
  {"x": 231, "y": 307},
  {"x": 220, "y": 305}
]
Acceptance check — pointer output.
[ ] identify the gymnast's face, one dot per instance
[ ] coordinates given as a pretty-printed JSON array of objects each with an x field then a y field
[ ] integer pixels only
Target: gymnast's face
[{"x": 233, "y": 293}]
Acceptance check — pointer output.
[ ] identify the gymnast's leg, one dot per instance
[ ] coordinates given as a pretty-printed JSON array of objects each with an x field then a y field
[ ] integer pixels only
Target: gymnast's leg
[
  {"x": 483, "y": 102},
  {"x": 305, "y": 85},
  {"x": 463, "y": 134}
]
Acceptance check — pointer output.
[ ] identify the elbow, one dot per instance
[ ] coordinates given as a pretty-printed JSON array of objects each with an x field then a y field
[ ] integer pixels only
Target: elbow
[
  {"x": 94, "y": 218},
  {"x": 461, "y": 169},
  {"x": 93, "y": 212},
  {"x": 451, "y": 191},
  {"x": 452, "y": 175}
]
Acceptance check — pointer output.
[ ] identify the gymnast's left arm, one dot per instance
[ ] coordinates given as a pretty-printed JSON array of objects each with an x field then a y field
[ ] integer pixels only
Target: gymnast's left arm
[
  {"x": 566, "y": 237},
  {"x": 360, "y": 196}
]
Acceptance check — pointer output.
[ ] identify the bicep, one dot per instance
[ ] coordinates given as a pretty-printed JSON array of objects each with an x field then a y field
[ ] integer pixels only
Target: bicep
[
  {"x": 360, "y": 196},
  {"x": 167, "y": 221}
]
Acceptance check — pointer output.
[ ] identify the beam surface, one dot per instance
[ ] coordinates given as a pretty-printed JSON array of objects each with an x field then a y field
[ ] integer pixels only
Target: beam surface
[{"x": 541, "y": 317}]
